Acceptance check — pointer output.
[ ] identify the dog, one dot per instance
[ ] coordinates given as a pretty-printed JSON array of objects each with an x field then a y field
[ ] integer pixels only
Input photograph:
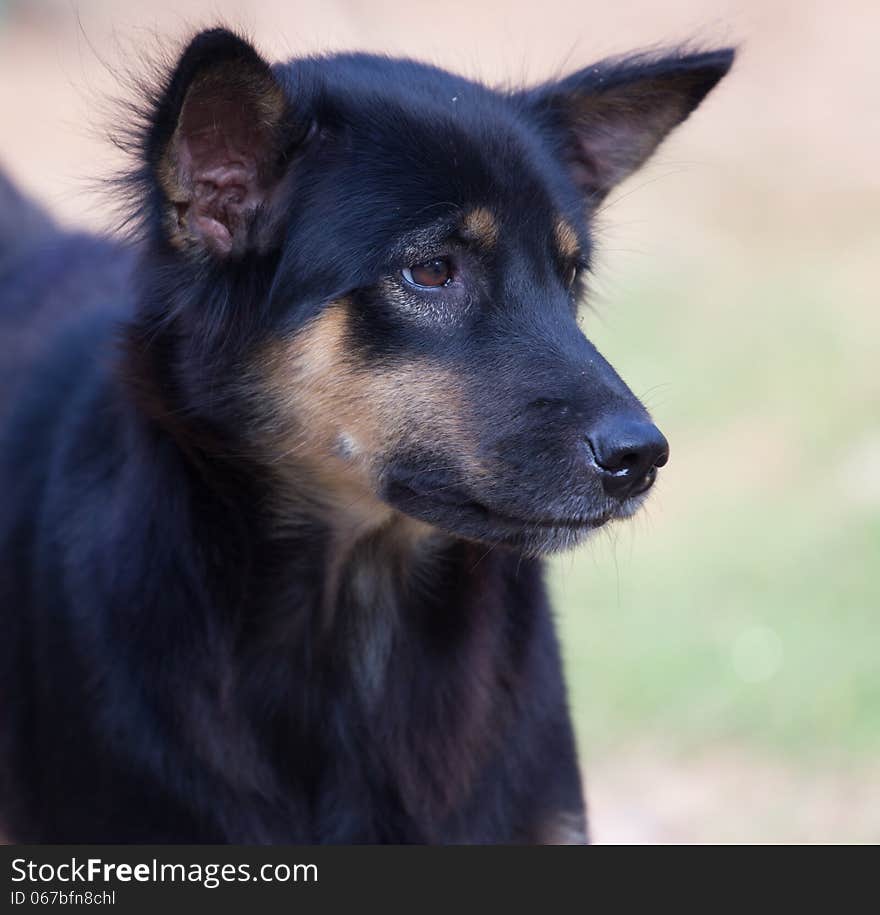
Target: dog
[{"x": 279, "y": 470}]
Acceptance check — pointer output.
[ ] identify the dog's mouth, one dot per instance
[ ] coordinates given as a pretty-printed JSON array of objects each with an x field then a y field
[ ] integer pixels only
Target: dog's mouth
[{"x": 454, "y": 508}]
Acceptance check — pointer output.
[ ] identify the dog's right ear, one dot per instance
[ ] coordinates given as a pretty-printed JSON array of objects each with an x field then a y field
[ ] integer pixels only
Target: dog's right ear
[{"x": 218, "y": 144}]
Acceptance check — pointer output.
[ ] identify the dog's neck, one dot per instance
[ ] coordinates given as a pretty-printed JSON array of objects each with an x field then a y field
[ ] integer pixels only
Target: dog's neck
[
  {"x": 305, "y": 557},
  {"x": 341, "y": 560},
  {"x": 298, "y": 612},
  {"x": 370, "y": 576}
]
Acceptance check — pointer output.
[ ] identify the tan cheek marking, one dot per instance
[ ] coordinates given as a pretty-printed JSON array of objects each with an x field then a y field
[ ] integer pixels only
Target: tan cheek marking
[
  {"x": 566, "y": 239},
  {"x": 419, "y": 404},
  {"x": 311, "y": 388},
  {"x": 338, "y": 416},
  {"x": 480, "y": 226}
]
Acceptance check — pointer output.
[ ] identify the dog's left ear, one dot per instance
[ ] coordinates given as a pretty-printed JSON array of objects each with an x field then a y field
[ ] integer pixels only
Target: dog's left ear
[{"x": 607, "y": 119}]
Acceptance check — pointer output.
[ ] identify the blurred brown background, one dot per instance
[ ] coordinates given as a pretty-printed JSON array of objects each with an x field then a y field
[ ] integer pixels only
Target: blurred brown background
[{"x": 722, "y": 649}]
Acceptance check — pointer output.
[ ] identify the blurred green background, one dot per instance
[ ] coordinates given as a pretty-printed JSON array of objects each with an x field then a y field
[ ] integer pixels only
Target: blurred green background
[{"x": 722, "y": 648}]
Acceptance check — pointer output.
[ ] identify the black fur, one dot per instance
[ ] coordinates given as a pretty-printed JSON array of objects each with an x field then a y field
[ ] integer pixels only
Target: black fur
[{"x": 196, "y": 646}]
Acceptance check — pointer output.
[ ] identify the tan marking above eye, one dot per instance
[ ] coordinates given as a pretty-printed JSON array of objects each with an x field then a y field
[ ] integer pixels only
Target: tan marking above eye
[
  {"x": 566, "y": 239},
  {"x": 480, "y": 226}
]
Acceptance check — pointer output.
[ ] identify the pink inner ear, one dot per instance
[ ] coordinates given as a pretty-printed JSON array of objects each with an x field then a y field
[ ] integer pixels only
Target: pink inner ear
[
  {"x": 220, "y": 148},
  {"x": 608, "y": 148}
]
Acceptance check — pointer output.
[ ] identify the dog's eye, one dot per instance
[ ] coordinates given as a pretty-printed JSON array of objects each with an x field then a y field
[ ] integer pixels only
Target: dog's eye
[
  {"x": 437, "y": 272},
  {"x": 571, "y": 274}
]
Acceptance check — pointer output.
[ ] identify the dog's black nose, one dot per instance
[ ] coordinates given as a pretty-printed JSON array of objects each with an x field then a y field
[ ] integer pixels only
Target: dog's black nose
[{"x": 628, "y": 453}]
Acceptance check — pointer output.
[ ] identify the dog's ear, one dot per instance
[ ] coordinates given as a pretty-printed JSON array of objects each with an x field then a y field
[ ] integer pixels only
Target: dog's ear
[
  {"x": 607, "y": 119},
  {"x": 217, "y": 143}
]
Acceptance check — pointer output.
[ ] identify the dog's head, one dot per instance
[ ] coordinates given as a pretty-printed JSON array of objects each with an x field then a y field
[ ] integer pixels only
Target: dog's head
[{"x": 397, "y": 254}]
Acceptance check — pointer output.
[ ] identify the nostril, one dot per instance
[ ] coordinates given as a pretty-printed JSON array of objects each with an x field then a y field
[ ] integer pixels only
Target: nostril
[
  {"x": 644, "y": 483},
  {"x": 627, "y": 463},
  {"x": 621, "y": 461}
]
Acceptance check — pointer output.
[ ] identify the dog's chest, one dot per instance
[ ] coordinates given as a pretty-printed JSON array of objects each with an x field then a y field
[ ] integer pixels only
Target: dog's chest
[
  {"x": 390, "y": 705},
  {"x": 371, "y": 614}
]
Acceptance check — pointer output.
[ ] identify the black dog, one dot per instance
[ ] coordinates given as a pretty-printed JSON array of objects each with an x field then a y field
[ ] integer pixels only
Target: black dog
[{"x": 276, "y": 477}]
